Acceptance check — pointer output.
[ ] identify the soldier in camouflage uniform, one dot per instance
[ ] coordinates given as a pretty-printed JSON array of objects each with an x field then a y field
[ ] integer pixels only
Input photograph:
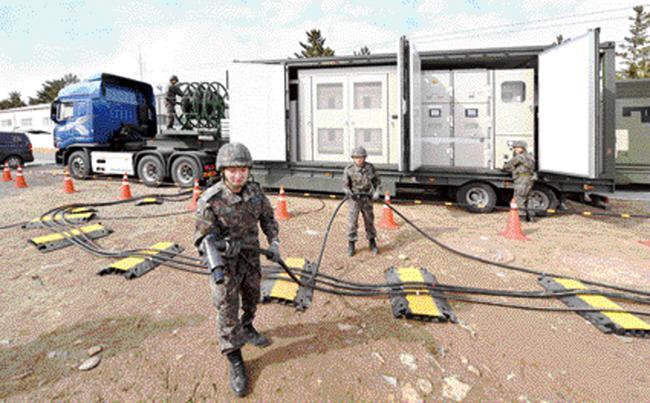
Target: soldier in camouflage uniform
[
  {"x": 231, "y": 210},
  {"x": 522, "y": 166},
  {"x": 360, "y": 181},
  {"x": 170, "y": 99}
]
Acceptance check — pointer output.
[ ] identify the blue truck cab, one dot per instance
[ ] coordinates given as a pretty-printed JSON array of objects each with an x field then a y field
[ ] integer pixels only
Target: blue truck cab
[{"x": 102, "y": 112}]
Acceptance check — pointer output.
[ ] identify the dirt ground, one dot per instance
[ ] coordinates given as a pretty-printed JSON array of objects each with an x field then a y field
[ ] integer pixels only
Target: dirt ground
[{"x": 157, "y": 332}]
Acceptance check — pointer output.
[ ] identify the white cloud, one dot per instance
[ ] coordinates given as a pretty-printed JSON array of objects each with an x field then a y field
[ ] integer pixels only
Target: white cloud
[
  {"x": 330, "y": 6},
  {"x": 431, "y": 7}
]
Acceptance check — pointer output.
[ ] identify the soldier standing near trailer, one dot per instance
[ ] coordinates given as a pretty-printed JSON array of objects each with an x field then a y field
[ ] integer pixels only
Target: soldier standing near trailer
[
  {"x": 522, "y": 166},
  {"x": 230, "y": 211},
  {"x": 360, "y": 181},
  {"x": 170, "y": 100}
]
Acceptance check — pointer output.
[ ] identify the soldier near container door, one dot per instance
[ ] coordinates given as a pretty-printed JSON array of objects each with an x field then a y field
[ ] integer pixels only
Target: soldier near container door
[
  {"x": 230, "y": 211},
  {"x": 361, "y": 183},
  {"x": 170, "y": 100},
  {"x": 522, "y": 166}
]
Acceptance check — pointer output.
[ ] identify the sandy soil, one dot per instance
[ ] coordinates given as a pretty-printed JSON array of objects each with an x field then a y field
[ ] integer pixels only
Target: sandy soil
[{"x": 157, "y": 332}]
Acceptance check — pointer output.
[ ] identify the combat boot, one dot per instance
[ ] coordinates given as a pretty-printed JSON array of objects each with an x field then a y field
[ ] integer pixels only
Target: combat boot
[
  {"x": 372, "y": 244},
  {"x": 252, "y": 336},
  {"x": 238, "y": 379},
  {"x": 351, "y": 248}
]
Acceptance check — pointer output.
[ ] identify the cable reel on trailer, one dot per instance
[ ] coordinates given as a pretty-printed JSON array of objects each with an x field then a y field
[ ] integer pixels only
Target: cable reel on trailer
[{"x": 202, "y": 106}]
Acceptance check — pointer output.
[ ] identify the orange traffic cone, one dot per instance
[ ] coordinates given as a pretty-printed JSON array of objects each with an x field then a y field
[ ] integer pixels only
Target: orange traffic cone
[
  {"x": 513, "y": 229},
  {"x": 20, "y": 179},
  {"x": 281, "y": 212},
  {"x": 646, "y": 242},
  {"x": 68, "y": 184},
  {"x": 387, "y": 220},
  {"x": 125, "y": 189},
  {"x": 6, "y": 173},
  {"x": 196, "y": 193}
]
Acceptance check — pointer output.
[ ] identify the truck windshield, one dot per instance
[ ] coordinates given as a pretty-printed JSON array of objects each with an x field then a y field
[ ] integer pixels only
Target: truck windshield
[{"x": 65, "y": 111}]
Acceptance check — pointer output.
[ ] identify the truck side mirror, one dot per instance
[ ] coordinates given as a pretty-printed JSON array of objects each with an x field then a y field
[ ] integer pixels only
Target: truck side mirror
[{"x": 54, "y": 110}]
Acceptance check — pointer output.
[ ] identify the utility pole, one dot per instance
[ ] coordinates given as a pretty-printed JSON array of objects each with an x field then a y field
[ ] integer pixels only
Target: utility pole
[{"x": 140, "y": 63}]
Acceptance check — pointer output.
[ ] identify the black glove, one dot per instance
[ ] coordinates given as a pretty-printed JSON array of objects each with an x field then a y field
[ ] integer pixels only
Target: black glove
[
  {"x": 213, "y": 256},
  {"x": 274, "y": 252}
]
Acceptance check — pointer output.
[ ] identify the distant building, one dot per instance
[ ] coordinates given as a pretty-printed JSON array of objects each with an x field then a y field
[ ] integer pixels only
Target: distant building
[{"x": 33, "y": 120}]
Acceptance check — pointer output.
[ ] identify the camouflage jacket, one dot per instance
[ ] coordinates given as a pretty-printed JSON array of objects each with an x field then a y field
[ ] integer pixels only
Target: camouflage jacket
[
  {"x": 172, "y": 92},
  {"x": 521, "y": 165},
  {"x": 362, "y": 179},
  {"x": 235, "y": 216}
]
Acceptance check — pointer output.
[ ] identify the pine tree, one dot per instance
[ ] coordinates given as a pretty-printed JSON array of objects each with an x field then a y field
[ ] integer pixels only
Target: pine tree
[
  {"x": 13, "y": 101},
  {"x": 363, "y": 51},
  {"x": 315, "y": 46},
  {"x": 636, "y": 49},
  {"x": 50, "y": 89}
]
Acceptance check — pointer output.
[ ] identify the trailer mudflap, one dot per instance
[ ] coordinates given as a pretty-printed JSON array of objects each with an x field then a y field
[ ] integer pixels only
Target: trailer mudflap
[
  {"x": 284, "y": 290},
  {"x": 58, "y": 240},
  {"x": 75, "y": 217},
  {"x": 621, "y": 323},
  {"x": 424, "y": 305},
  {"x": 136, "y": 266},
  {"x": 148, "y": 201}
]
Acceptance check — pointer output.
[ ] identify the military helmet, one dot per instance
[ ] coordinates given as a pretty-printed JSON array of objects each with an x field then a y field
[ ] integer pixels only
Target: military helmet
[
  {"x": 233, "y": 155},
  {"x": 173, "y": 78},
  {"x": 359, "y": 151},
  {"x": 520, "y": 144}
]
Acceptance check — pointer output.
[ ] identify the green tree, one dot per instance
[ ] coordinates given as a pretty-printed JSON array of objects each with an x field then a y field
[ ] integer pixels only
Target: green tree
[
  {"x": 636, "y": 49},
  {"x": 13, "y": 101},
  {"x": 315, "y": 46},
  {"x": 363, "y": 51},
  {"x": 50, "y": 89}
]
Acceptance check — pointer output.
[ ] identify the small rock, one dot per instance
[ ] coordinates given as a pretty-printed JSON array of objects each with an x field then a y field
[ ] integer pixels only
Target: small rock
[
  {"x": 510, "y": 376},
  {"x": 319, "y": 381},
  {"x": 502, "y": 275},
  {"x": 402, "y": 257},
  {"x": 359, "y": 331},
  {"x": 523, "y": 398},
  {"x": 175, "y": 332},
  {"x": 391, "y": 380},
  {"x": 94, "y": 350},
  {"x": 90, "y": 363},
  {"x": 623, "y": 338},
  {"x": 179, "y": 356},
  {"x": 454, "y": 389},
  {"x": 57, "y": 354},
  {"x": 408, "y": 361},
  {"x": 408, "y": 325},
  {"x": 474, "y": 370},
  {"x": 553, "y": 327},
  {"x": 378, "y": 357},
  {"x": 409, "y": 394},
  {"x": 425, "y": 386},
  {"x": 311, "y": 232},
  {"x": 563, "y": 371},
  {"x": 344, "y": 327},
  {"x": 483, "y": 238},
  {"x": 77, "y": 342},
  {"x": 469, "y": 328},
  {"x": 464, "y": 360},
  {"x": 5, "y": 342}
]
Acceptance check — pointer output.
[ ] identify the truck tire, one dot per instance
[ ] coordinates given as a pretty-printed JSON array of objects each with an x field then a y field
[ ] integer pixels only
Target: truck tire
[
  {"x": 184, "y": 171},
  {"x": 79, "y": 165},
  {"x": 151, "y": 170},
  {"x": 542, "y": 198},
  {"x": 477, "y": 197}
]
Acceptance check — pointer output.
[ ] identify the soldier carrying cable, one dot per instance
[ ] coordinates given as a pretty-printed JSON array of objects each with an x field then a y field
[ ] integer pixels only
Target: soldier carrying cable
[
  {"x": 522, "y": 166},
  {"x": 360, "y": 183},
  {"x": 173, "y": 90},
  {"x": 228, "y": 212}
]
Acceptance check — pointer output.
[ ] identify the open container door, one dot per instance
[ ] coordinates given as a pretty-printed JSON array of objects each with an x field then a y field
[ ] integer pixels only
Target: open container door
[
  {"x": 257, "y": 110},
  {"x": 402, "y": 96},
  {"x": 568, "y": 99},
  {"x": 415, "y": 108}
]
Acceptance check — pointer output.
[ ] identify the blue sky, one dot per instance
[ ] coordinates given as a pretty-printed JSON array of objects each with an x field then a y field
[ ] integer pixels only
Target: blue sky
[{"x": 197, "y": 39}]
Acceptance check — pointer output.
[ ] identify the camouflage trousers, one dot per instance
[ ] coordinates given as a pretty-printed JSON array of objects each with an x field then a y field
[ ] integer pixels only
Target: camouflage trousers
[
  {"x": 241, "y": 280},
  {"x": 522, "y": 186},
  {"x": 171, "y": 115},
  {"x": 361, "y": 205}
]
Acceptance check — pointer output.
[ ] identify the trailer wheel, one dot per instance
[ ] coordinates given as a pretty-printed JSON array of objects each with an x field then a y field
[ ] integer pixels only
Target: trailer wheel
[
  {"x": 151, "y": 170},
  {"x": 79, "y": 165},
  {"x": 184, "y": 171},
  {"x": 542, "y": 198},
  {"x": 477, "y": 197}
]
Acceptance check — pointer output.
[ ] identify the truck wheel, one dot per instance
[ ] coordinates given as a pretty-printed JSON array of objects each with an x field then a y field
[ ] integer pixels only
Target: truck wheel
[
  {"x": 542, "y": 198},
  {"x": 184, "y": 171},
  {"x": 477, "y": 197},
  {"x": 151, "y": 170},
  {"x": 79, "y": 165}
]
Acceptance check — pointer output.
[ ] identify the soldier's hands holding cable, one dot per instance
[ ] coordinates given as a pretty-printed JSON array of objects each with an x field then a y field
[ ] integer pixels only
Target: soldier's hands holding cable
[{"x": 274, "y": 252}]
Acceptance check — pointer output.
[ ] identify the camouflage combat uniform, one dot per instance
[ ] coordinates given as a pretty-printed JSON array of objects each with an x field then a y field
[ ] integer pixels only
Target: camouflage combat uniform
[
  {"x": 235, "y": 216},
  {"x": 173, "y": 90},
  {"x": 363, "y": 180},
  {"x": 522, "y": 167}
]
